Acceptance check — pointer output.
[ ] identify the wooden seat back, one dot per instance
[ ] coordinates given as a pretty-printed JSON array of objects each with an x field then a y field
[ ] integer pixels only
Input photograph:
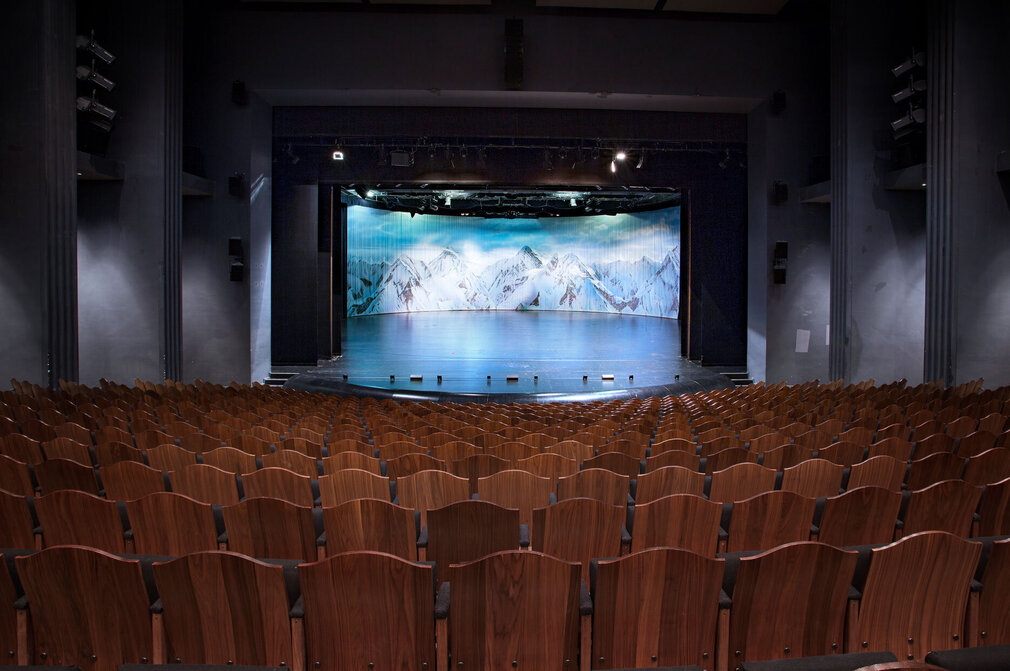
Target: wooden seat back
[
  {"x": 516, "y": 489},
  {"x": 370, "y": 525},
  {"x": 128, "y": 480},
  {"x": 813, "y": 478},
  {"x": 662, "y": 482},
  {"x": 679, "y": 521},
  {"x": 69, "y": 517},
  {"x": 171, "y": 524},
  {"x": 206, "y": 483},
  {"x": 468, "y": 530},
  {"x": 271, "y": 528},
  {"x": 279, "y": 483},
  {"x": 945, "y": 506},
  {"x": 741, "y": 481},
  {"x": 578, "y": 530},
  {"x": 595, "y": 483},
  {"x": 771, "y": 519},
  {"x": 860, "y": 516},
  {"x": 352, "y": 483}
]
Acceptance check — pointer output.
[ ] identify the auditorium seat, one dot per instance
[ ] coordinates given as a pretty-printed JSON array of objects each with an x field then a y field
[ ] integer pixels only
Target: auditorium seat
[
  {"x": 615, "y": 462},
  {"x": 994, "y": 510},
  {"x": 548, "y": 465},
  {"x": 845, "y": 453},
  {"x": 344, "y": 460},
  {"x": 467, "y": 530},
  {"x": 860, "y": 516},
  {"x": 281, "y": 484},
  {"x": 686, "y": 460},
  {"x": 230, "y": 459},
  {"x": 536, "y": 439},
  {"x": 770, "y": 519},
  {"x": 790, "y": 602},
  {"x": 785, "y": 456},
  {"x": 516, "y": 489},
  {"x": 656, "y": 607},
  {"x": 171, "y": 525},
  {"x": 17, "y": 530},
  {"x": 741, "y": 481},
  {"x": 680, "y": 521},
  {"x": 572, "y": 449},
  {"x": 253, "y": 445},
  {"x": 934, "y": 468},
  {"x": 936, "y": 443},
  {"x": 813, "y": 478},
  {"x": 22, "y": 448},
  {"x": 107, "y": 454},
  {"x": 87, "y": 608},
  {"x": 975, "y": 443},
  {"x": 411, "y": 463},
  {"x": 879, "y": 471},
  {"x": 223, "y": 608},
  {"x": 860, "y": 435},
  {"x": 206, "y": 483},
  {"x": 994, "y": 614},
  {"x": 128, "y": 480},
  {"x": 370, "y": 525},
  {"x": 633, "y": 449},
  {"x": 915, "y": 595},
  {"x": 427, "y": 490},
  {"x": 57, "y": 474},
  {"x": 669, "y": 480},
  {"x": 15, "y": 477},
  {"x": 512, "y": 451},
  {"x": 452, "y": 449},
  {"x": 149, "y": 438},
  {"x": 67, "y": 448},
  {"x": 390, "y": 624},
  {"x": 478, "y": 466},
  {"x": 337, "y": 444},
  {"x": 37, "y": 430},
  {"x": 944, "y": 506},
  {"x": 595, "y": 483},
  {"x": 731, "y": 456},
  {"x": 302, "y": 445},
  {"x": 579, "y": 530},
  {"x": 169, "y": 457},
  {"x": 496, "y": 621},
  {"x": 988, "y": 467},
  {"x": 673, "y": 445},
  {"x": 300, "y": 463},
  {"x": 69, "y": 517}
]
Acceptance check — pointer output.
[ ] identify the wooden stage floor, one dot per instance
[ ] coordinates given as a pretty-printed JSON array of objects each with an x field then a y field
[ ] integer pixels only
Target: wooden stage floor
[{"x": 549, "y": 352}]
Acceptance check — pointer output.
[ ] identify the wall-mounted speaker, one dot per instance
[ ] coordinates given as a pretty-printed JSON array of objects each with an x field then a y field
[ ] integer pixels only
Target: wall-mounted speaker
[
  {"x": 513, "y": 54},
  {"x": 779, "y": 260},
  {"x": 237, "y": 254},
  {"x": 236, "y": 185},
  {"x": 237, "y": 271},
  {"x": 239, "y": 94},
  {"x": 780, "y": 193}
]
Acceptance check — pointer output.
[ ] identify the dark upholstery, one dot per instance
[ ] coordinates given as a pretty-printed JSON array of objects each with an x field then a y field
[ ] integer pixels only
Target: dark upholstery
[
  {"x": 985, "y": 658},
  {"x": 847, "y": 662}
]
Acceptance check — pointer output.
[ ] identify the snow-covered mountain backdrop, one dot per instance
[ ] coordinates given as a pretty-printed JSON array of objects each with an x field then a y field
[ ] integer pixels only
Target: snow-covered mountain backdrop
[{"x": 628, "y": 263}]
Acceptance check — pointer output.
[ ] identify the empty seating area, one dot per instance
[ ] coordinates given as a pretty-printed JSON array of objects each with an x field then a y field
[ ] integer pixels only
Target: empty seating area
[{"x": 714, "y": 529}]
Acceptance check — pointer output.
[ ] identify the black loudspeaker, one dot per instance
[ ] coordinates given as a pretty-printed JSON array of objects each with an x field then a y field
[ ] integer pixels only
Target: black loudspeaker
[
  {"x": 779, "y": 259},
  {"x": 780, "y": 193},
  {"x": 237, "y": 271},
  {"x": 235, "y": 247},
  {"x": 778, "y": 102},
  {"x": 236, "y": 185},
  {"x": 513, "y": 54},
  {"x": 239, "y": 94}
]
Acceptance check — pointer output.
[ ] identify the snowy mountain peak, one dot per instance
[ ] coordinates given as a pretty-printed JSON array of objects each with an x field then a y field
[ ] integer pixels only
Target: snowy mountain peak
[{"x": 527, "y": 255}]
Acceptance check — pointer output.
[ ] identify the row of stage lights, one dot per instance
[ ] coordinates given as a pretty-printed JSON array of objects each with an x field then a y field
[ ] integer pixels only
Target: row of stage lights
[{"x": 619, "y": 156}]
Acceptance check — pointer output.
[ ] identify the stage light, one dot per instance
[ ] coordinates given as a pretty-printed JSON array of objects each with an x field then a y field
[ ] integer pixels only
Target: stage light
[
  {"x": 641, "y": 161},
  {"x": 88, "y": 44},
  {"x": 915, "y": 115},
  {"x": 448, "y": 201},
  {"x": 370, "y": 194},
  {"x": 914, "y": 61},
  {"x": 86, "y": 74},
  {"x": 914, "y": 86},
  {"x": 337, "y": 155},
  {"x": 85, "y": 104},
  {"x": 620, "y": 156},
  {"x": 362, "y": 192},
  {"x": 613, "y": 167},
  {"x": 572, "y": 202}
]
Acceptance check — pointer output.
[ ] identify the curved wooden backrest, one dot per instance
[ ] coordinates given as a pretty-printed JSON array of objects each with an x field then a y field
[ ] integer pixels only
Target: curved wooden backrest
[
  {"x": 595, "y": 483},
  {"x": 879, "y": 471},
  {"x": 169, "y": 457},
  {"x": 634, "y": 449},
  {"x": 295, "y": 462},
  {"x": 107, "y": 454},
  {"x": 279, "y": 483},
  {"x": 657, "y": 606},
  {"x": 303, "y": 446},
  {"x": 74, "y": 431},
  {"x": 893, "y": 446},
  {"x": 679, "y": 521},
  {"x": 615, "y": 462},
  {"x": 673, "y": 445},
  {"x": 271, "y": 528},
  {"x": 728, "y": 457},
  {"x": 478, "y": 466},
  {"x": 915, "y": 594},
  {"x": 468, "y": 530},
  {"x": 512, "y": 451},
  {"x": 994, "y": 510},
  {"x": 223, "y": 608},
  {"x": 784, "y": 456},
  {"x": 382, "y": 437},
  {"x": 17, "y": 529},
  {"x": 686, "y": 460},
  {"x": 427, "y": 490},
  {"x": 515, "y": 489},
  {"x": 516, "y": 609},
  {"x": 57, "y": 474},
  {"x": 67, "y": 448},
  {"x": 128, "y": 480},
  {"x": 815, "y": 439},
  {"x": 934, "y": 468},
  {"x": 993, "y": 623},
  {"x": 548, "y": 465},
  {"x": 453, "y": 449},
  {"x": 206, "y": 483},
  {"x": 15, "y": 477},
  {"x": 945, "y": 506},
  {"x": 934, "y": 444},
  {"x": 960, "y": 427},
  {"x": 408, "y": 464},
  {"x": 107, "y": 434},
  {"x": 860, "y": 516},
  {"x": 399, "y": 448},
  {"x": 390, "y": 625},
  {"x": 370, "y": 525},
  {"x": 993, "y": 423},
  {"x": 69, "y": 517},
  {"x": 171, "y": 525},
  {"x": 813, "y": 478},
  {"x": 845, "y": 453},
  {"x": 573, "y": 449},
  {"x": 350, "y": 484},
  {"x": 791, "y": 602},
  {"x": 86, "y": 602},
  {"x": 741, "y": 481},
  {"x": 861, "y": 435},
  {"x": 769, "y": 520},
  {"x": 536, "y": 439},
  {"x": 252, "y": 444},
  {"x": 976, "y": 443},
  {"x": 230, "y": 459},
  {"x": 337, "y": 445},
  {"x": 349, "y": 459},
  {"x": 662, "y": 482},
  {"x": 579, "y": 530}
]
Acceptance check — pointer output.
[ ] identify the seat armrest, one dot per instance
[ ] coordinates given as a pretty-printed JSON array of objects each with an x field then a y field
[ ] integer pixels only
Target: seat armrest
[{"x": 442, "y": 602}]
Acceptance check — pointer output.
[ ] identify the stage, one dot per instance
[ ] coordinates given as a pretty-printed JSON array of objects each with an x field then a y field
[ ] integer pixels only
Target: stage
[{"x": 555, "y": 356}]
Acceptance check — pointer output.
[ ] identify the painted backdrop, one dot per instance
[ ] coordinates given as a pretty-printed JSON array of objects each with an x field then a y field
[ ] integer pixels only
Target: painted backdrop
[{"x": 628, "y": 263}]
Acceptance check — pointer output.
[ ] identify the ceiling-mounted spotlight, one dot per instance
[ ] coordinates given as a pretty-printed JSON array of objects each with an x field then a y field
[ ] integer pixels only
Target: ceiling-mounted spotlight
[
  {"x": 916, "y": 60},
  {"x": 641, "y": 160},
  {"x": 448, "y": 201},
  {"x": 337, "y": 155},
  {"x": 85, "y": 104},
  {"x": 915, "y": 115},
  {"x": 572, "y": 202},
  {"x": 914, "y": 86},
  {"x": 362, "y": 192},
  {"x": 620, "y": 156},
  {"x": 88, "y": 44},
  {"x": 86, "y": 74},
  {"x": 613, "y": 167}
]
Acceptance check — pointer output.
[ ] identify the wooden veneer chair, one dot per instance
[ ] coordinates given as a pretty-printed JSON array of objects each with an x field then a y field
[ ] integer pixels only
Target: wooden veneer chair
[
  {"x": 860, "y": 516},
  {"x": 206, "y": 483},
  {"x": 279, "y": 483},
  {"x": 669, "y": 480},
  {"x": 467, "y": 530},
  {"x": 516, "y": 489},
  {"x": 994, "y": 510},
  {"x": 170, "y": 524},
  {"x": 271, "y": 528},
  {"x": 299, "y": 463},
  {"x": 371, "y": 525},
  {"x": 15, "y": 477},
  {"x": 681, "y": 521},
  {"x": 69, "y": 517},
  {"x": 128, "y": 480},
  {"x": 579, "y": 530},
  {"x": 993, "y": 619},
  {"x": 595, "y": 483},
  {"x": 17, "y": 529},
  {"x": 770, "y": 519},
  {"x": 813, "y": 478},
  {"x": 945, "y": 506},
  {"x": 427, "y": 490},
  {"x": 352, "y": 483},
  {"x": 741, "y": 481}
]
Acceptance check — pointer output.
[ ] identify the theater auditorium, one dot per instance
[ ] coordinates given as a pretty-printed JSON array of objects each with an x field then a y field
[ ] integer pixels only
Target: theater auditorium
[{"x": 485, "y": 335}]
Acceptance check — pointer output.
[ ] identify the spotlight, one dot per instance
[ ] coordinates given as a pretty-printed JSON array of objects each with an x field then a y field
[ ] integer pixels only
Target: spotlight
[
  {"x": 337, "y": 155},
  {"x": 86, "y": 74},
  {"x": 914, "y": 86},
  {"x": 915, "y": 115},
  {"x": 613, "y": 167},
  {"x": 88, "y": 44},
  {"x": 85, "y": 104},
  {"x": 572, "y": 202},
  {"x": 620, "y": 156},
  {"x": 915, "y": 61},
  {"x": 362, "y": 192},
  {"x": 370, "y": 194},
  {"x": 448, "y": 201},
  {"x": 641, "y": 160}
]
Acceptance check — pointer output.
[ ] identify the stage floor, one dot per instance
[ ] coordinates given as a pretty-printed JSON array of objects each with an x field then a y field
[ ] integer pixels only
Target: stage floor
[{"x": 550, "y": 352}]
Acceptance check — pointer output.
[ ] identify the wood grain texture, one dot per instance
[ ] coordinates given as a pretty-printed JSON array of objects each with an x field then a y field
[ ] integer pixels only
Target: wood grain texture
[
  {"x": 67, "y": 448},
  {"x": 548, "y": 465},
  {"x": 934, "y": 468},
  {"x": 515, "y": 610},
  {"x": 303, "y": 446},
  {"x": 169, "y": 457},
  {"x": 15, "y": 477},
  {"x": 8, "y": 618},
  {"x": 368, "y": 610},
  {"x": 399, "y": 448},
  {"x": 70, "y": 517},
  {"x": 17, "y": 527},
  {"x": 673, "y": 445},
  {"x": 205, "y": 483},
  {"x": 224, "y": 608},
  {"x": 352, "y": 483},
  {"x": 813, "y": 478},
  {"x": 370, "y": 525},
  {"x": 512, "y": 451},
  {"x": 107, "y": 454},
  {"x": 86, "y": 605},
  {"x": 879, "y": 471},
  {"x": 845, "y": 453},
  {"x": 270, "y": 528},
  {"x": 730, "y": 456},
  {"x": 656, "y": 607},
  {"x": 662, "y": 482},
  {"x": 635, "y": 449},
  {"x": 253, "y": 445},
  {"x": 933, "y": 444},
  {"x": 615, "y": 462},
  {"x": 860, "y": 516},
  {"x": 572, "y": 449},
  {"x": 408, "y": 464},
  {"x": 814, "y": 439},
  {"x": 478, "y": 466},
  {"x": 129, "y": 480},
  {"x": 595, "y": 483},
  {"x": 295, "y": 462},
  {"x": 350, "y": 459},
  {"x": 337, "y": 445},
  {"x": 231, "y": 460},
  {"x": 861, "y": 435},
  {"x": 279, "y": 483},
  {"x": 741, "y": 481},
  {"x": 537, "y": 439},
  {"x": 994, "y": 510},
  {"x": 578, "y": 530},
  {"x": 427, "y": 490},
  {"x": 686, "y": 460},
  {"x": 680, "y": 521},
  {"x": 915, "y": 594},
  {"x": 468, "y": 530},
  {"x": 895, "y": 447},
  {"x": 945, "y": 506},
  {"x": 790, "y": 602},
  {"x": 171, "y": 524},
  {"x": 57, "y": 474},
  {"x": 994, "y": 616},
  {"x": 516, "y": 489},
  {"x": 976, "y": 443},
  {"x": 453, "y": 450},
  {"x": 768, "y": 520}
]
